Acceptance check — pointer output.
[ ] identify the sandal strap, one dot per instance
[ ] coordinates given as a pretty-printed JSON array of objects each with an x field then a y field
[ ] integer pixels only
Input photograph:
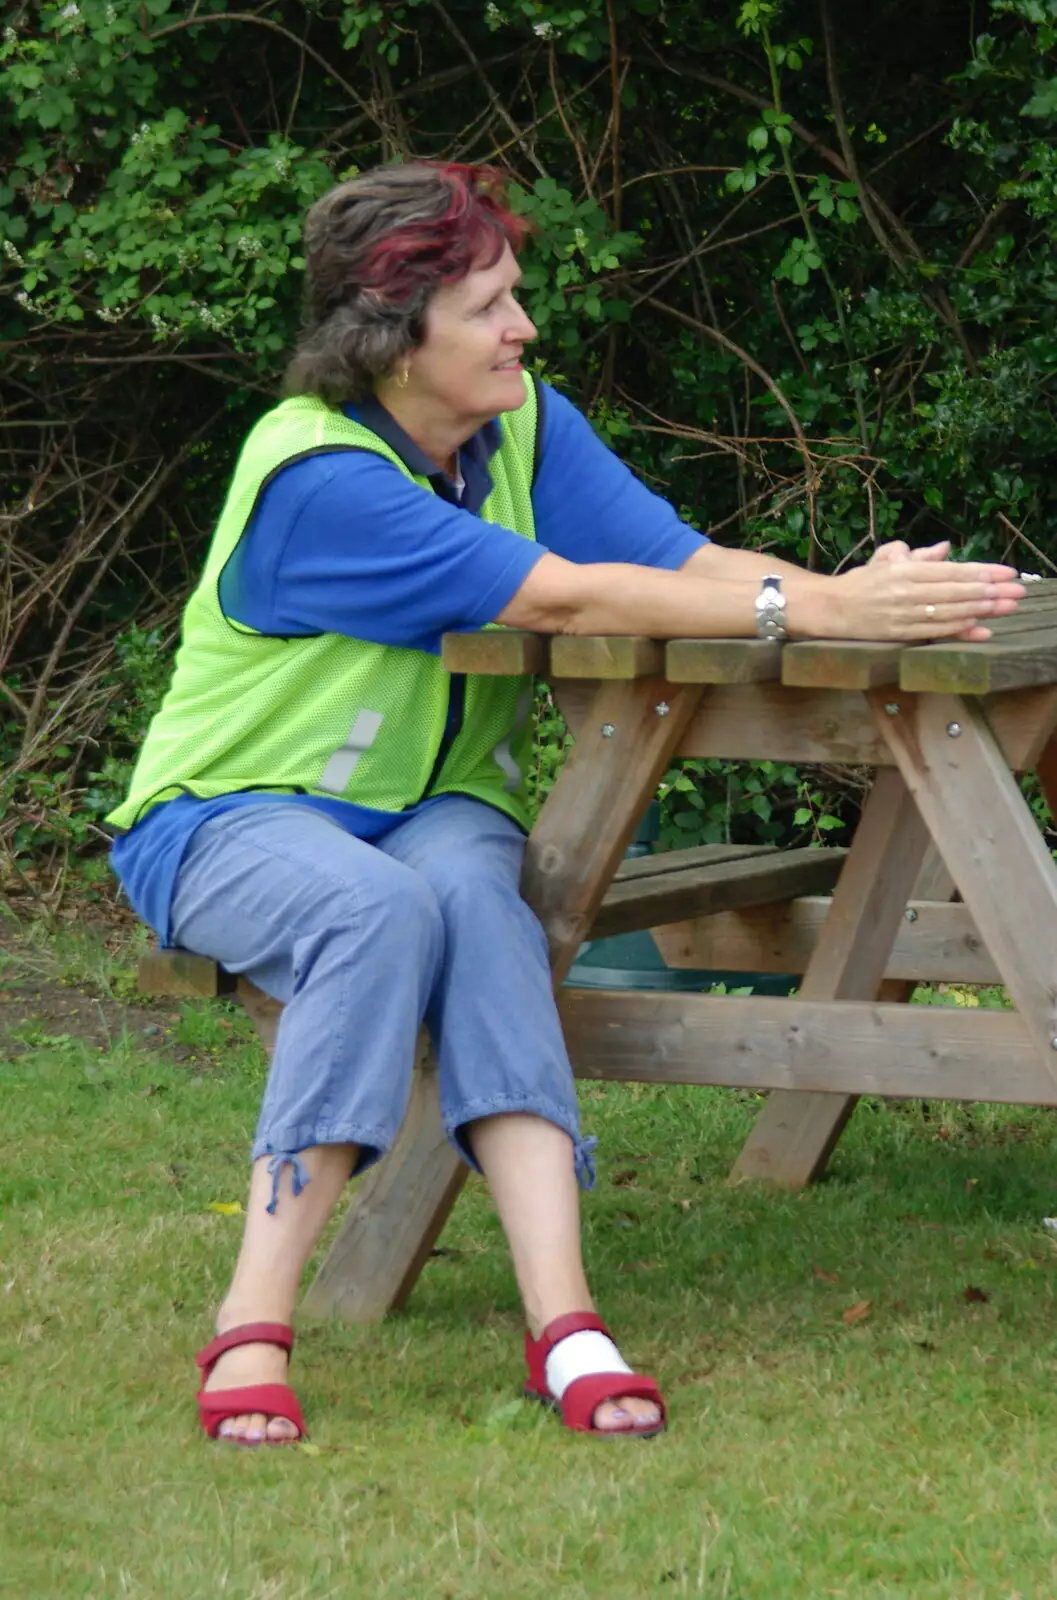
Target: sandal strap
[
  {"x": 278, "y": 1333},
  {"x": 584, "y": 1395},
  {"x": 561, "y": 1328},
  {"x": 270, "y": 1399}
]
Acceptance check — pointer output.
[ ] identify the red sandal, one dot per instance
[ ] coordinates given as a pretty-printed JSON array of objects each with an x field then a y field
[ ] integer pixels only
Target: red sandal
[
  {"x": 583, "y": 1396},
  {"x": 272, "y": 1399}
]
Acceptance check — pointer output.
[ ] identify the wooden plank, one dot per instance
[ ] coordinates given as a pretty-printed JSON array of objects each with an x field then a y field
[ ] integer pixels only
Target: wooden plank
[
  {"x": 582, "y": 656},
  {"x": 770, "y": 722},
  {"x": 722, "y": 660},
  {"x": 939, "y": 944},
  {"x": 179, "y": 973},
  {"x": 497, "y": 652},
  {"x": 396, "y": 1216},
  {"x": 996, "y": 855},
  {"x": 1022, "y": 620},
  {"x": 262, "y": 1010},
  {"x": 794, "y": 1135},
  {"x": 1046, "y": 772},
  {"x": 698, "y": 855},
  {"x": 1023, "y": 660},
  {"x": 639, "y": 903},
  {"x": 1022, "y": 722},
  {"x": 802, "y": 1050},
  {"x": 840, "y": 664},
  {"x": 623, "y": 747}
]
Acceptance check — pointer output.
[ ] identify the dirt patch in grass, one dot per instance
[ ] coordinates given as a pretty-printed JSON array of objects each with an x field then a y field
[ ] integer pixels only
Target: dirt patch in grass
[
  {"x": 35, "y": 1012},
  {"x": 79, "y": 984}
]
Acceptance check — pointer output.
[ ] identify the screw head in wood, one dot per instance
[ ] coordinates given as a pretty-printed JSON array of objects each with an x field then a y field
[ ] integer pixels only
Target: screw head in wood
[
  {"x": 892, "y": 708},
  {"x": 607, "y": 730},
  {"x": 954, "y": 730},
  {"x": 662, "y": 708},
  {"x": 910, "y": 914}
]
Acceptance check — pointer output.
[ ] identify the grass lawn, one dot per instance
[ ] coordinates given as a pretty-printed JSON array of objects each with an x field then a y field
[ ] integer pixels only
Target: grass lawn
[{"x": 860, "y": 1378}]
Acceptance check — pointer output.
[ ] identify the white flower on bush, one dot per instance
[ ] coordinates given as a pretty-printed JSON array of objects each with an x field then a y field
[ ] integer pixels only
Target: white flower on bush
[
  {"x": 22, "y": 299},
  {"x": 544, "y": 30},
  {"x": 249, "y": 247},
  {"x": 108, "y": 314},
  {"x": 10, "y": 36},
  {"x": 111, "y": 14},
  {"x": 211, "y": 320},
  {"x": 12, "y": 254}
]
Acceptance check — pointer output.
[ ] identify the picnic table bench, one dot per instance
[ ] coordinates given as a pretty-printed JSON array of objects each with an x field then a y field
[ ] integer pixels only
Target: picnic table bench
[{"x": 947, "y": 879}]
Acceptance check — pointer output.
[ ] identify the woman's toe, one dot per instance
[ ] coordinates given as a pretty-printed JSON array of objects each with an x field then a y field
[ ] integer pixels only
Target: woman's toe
[
  {"x": 621, "y": 1416},
  {"x": 282, "y": 1431},
  {"x": 234, "y": 1427}
]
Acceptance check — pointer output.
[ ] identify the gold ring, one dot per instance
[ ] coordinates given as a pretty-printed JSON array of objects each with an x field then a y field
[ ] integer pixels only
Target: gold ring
[{"x": 930, "y": 611}]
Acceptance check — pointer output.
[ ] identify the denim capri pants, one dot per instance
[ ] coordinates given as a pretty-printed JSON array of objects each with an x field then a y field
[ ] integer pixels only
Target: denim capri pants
[{"x": 362, "y": 943}]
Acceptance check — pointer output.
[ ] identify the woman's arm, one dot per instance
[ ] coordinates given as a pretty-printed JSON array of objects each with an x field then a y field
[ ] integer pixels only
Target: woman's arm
[{"x": 887, "y": 599}]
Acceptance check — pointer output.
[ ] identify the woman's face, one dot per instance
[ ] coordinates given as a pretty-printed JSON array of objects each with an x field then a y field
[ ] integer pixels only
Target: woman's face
[{"x": 470, "y": 360}]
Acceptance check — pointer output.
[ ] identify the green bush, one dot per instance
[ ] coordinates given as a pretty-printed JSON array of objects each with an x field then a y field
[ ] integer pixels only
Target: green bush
[{"x": 798, "y": 265}]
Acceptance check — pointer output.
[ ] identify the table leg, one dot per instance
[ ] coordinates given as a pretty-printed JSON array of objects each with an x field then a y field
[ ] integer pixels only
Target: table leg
[
  {"x": 795, "y": 1133},
  {"x": 624, "y": 745},
  {"x": 396, "y": 1215},
  {"x": 987, "y": 835}
]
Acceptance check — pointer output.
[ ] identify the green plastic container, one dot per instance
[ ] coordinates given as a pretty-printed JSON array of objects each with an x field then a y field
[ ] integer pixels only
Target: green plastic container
[{"x": 633, "y": 961}]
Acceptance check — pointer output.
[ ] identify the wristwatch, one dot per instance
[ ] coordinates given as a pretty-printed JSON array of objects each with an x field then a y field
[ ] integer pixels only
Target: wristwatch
[{"x": 770, "y": 609}]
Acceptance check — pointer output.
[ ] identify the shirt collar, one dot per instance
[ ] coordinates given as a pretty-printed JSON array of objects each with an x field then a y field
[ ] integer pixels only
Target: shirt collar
[{"x": 474, "y": 455}]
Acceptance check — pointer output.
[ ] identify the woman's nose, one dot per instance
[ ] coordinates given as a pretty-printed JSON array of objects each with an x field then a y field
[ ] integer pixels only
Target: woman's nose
[{"x": 523, "y": 328}]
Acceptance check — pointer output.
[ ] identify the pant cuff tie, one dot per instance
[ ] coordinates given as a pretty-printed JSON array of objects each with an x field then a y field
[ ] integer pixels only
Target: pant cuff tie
[
  {"x": 584, "y": 1149},
  {"x": 286, "y": 1158}
]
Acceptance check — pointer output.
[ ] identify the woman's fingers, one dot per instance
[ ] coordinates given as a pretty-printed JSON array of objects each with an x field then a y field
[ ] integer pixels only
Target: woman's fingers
[
  {"x": 896, "y": 550},
  {"x": 962, "y": 572},
  {"x": 932, "y": 552}
]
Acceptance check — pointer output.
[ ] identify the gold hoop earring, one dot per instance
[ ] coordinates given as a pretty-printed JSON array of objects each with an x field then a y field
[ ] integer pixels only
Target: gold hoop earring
[{"x": 402, "y": 376}]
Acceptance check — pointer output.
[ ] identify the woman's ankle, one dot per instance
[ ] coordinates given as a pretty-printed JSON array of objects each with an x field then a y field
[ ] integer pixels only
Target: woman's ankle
[{"x": 235, "y": 1311}]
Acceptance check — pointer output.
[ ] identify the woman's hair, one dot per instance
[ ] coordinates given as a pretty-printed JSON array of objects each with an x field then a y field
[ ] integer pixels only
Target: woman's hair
[{"x": 376, "y": 249}]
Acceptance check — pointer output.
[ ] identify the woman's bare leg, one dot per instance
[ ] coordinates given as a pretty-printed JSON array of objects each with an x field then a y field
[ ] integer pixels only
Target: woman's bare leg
[
  {"x": 529, "y": 1166},
  {"x": 275, "y": 1248}
]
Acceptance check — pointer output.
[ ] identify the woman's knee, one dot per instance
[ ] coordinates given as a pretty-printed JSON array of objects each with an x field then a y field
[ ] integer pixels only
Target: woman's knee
[{"x": 388, "y": 906}]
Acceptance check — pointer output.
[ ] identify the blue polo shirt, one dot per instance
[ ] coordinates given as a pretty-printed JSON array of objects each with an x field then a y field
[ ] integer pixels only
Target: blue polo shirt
[{"x": 344, "y": 542}]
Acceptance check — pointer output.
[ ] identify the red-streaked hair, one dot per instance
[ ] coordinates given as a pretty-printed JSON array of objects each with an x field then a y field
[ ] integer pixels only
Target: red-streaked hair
[
  {"x": 377, "y": 248},
  {"x": 468, "y": 235}
]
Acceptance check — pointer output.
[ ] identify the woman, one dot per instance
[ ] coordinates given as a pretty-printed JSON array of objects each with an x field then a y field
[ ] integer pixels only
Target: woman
[{"x": 320, "y": 806}]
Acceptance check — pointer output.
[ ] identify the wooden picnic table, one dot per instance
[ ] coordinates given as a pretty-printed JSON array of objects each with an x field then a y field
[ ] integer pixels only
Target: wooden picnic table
[{"x": 947, "y": 877}]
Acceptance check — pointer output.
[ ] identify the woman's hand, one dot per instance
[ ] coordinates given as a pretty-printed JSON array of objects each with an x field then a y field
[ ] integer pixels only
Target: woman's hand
[
  {"x": 901, "y": 594},
  {"x": 896, "y": 550}
]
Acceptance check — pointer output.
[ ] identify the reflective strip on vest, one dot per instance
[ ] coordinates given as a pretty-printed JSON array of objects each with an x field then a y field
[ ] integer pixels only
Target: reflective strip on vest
[
  {"x": 342, "y": 764},
  {"x": 504, "y": 757}
]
